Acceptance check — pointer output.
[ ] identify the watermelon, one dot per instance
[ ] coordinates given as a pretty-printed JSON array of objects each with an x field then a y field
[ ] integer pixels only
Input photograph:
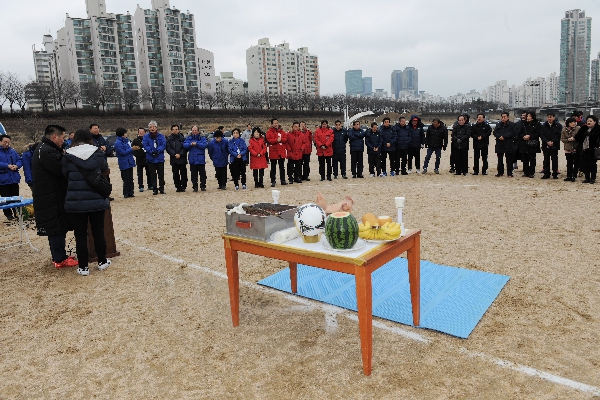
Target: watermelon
[{"x": 341, "y": 230}]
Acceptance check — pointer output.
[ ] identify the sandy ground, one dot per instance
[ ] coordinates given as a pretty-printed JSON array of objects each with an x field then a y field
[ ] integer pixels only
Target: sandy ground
[{"x": 157, "y": 323}]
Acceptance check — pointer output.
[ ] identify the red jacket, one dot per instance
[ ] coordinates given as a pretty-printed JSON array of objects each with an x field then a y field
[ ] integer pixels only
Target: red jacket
[
  {"x": 296, "y": 142},
  {"x": 276, "y": 149},
  {"x": 256, "y": 147},
  {"x": 324, "y": 137},
  {"x": 309, "y": 142}
]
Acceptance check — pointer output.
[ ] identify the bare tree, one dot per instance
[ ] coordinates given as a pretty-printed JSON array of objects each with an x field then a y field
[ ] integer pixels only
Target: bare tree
[
  {"x": 2, "y": 89},
  {"x": 155, "y": 96},
  {"x": 255, "y": 100},
  {"x": 131, "y": 98},
  {"x": 14, "y": 90},
  {"x": 193, "y": 97},
  {"x": 240, "y": 100},
  {"x": 68, "y": 91},
  {"x": 41, "y": 92},
  {"x": 209, "y": 99}
]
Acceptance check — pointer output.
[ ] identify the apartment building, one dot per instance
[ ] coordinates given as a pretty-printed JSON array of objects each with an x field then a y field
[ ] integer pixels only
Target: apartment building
[
  {"x": 277, "y": 69},
  {"x": 575, "y": 50}
]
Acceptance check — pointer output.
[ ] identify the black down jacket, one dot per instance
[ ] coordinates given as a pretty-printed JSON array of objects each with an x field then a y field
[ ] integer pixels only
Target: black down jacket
[
  {"x": 49, "y": 190},
  {"x": 80, "y": 196},
  {"x": 436, "y": 138}
]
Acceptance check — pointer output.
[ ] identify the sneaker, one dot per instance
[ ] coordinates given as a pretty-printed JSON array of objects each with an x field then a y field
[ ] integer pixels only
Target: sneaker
[
  {"x": 437, "y": 171},
  {"x": 244, "y": 187},
  {"x": 194, "y": 190},
  {"x": 66, "y": 263},
  {"x": 83, "y": 271},
  {"x": 203, "y": 189},
  {"x": 452, "y": 170},
  {"x": 410, "y": 171},
  {"x": 237, "y": 188},
  {"x": 381, "y": 175},
  {"x": 418, "y": 171},
  {"x": 344, "y": 177},
  {"x": 424, "y": 170},
  {"x": 384, "y": 173},
  {"x": 141, "y": 190},
  {"x": 103, "y": 266},
  {"x": 372, "y": 175},
  {"x": 392, "y": 173}
]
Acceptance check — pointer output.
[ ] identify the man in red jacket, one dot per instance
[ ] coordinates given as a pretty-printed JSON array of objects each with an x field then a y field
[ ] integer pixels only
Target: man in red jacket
[
  {"x": 324, "y": 141},
  {"x": 306, "y": 152},
  {"x": 277, "y": 139},
  {"x": 296, "y": 142}
]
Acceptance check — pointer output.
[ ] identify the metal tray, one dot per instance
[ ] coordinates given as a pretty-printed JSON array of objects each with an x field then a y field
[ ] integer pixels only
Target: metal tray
[{"x": 261, "y": 227}]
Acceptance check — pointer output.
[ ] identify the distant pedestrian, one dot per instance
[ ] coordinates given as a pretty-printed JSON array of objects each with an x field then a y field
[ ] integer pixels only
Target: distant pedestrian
[
  {"x": 307, "y": 151},
  {"x": 388, "y": 147},
  {"x": 27, "y": 159},
  {"x": 436, "y": 139},
  {"x": 155, "y": 144},
  {"x": 504, "y": 132},
  {"x": 402, "y": 133},
  {"x": 550, "y": 136},
  {"x": 460, "y": 143},
  {"x": 218, "y": 151},
  {"x": 324, "y": 141},
  {"x": 570, "y": 145},
  {"x": 277, "y": 138},
  {"x": 529, "y": 144},
  {"x": 196, "y": 145},
  {"x": 140, "y": 160},
  {"x": 296, "y": 142},
  {"x": 417, "y": 142},
  {"x": 373, "y": 142},
  {"x": 589, "y": 137},
  {"x": 10, "y": 164},
  {"x": 258, "y": 157},
  {"x": 480, "y": 133},
  {"x": 356, "y": 137},
  {"x": 178, "y": 158},
  {"x": 340, "y": 140},
  {"x": 238, "y": 153}
]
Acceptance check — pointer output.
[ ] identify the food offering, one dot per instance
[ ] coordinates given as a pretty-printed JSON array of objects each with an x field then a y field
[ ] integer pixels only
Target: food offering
[
  {"x": 341, "y": 230},
  {"x": 378, "y": 228},
  {"x": 310, "y": 222}
]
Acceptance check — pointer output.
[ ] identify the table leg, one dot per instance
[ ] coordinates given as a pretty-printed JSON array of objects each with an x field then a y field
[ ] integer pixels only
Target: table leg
[
  {"x": 233, "y": 278},
  {"x": 364, "y": 303},
  {"x": 414, "y": 277},
  {"x": 294, "y": 276}
]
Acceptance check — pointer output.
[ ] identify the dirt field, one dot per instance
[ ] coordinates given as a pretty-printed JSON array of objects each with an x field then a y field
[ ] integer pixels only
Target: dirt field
[{"x": 157, "y": 323}]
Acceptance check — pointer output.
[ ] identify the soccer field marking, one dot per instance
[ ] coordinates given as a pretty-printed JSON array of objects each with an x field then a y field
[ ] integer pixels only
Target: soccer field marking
[{"x": 331, "y": 313}]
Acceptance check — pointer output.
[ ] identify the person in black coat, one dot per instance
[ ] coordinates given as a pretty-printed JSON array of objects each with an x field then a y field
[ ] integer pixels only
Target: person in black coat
[
  {"x": 529, "y": 144},
  {"x": 388, "y": 146},
  {"x": 356, "y": 136},
  {"x": 140, "y": 160},
  {"x": 436, "y": 139},
  {"x": 550, "y": 138},
  {"x": 374, "y": 142},
  {"x": 417, "y": 141},
  {"x": 82, "y": 202},
  {"x": 518, "y": 128},
  {"x": 340, "y": 140},
  {"x": 49, "y": 192},
  {"x": 178, "y": 158},
  {"x": 504, "y": 132},
  {"x": 460, "y": 145},
  {"x": 589, "y": 139},
  {"x": 480, "y": 132}
]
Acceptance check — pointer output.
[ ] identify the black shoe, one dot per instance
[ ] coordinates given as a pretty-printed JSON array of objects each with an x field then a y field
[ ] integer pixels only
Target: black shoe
[
  {"x": 475, "y": 173},
  {"x": 290, "y": 182},
  {"x": 222, "y": 188},
  {"x": 546, "y": 177},
  {"x": 592, "y": 181},
  {"x": 344, "y": 177},
  {"x": 586, "y": 181},
  {"x": 335, "y": 177},
  {"x": 360, "y": 176},
  {"x": 203, "y": 189},
  {"x": 272, "y": 184},
  {"x": 498, "y": 175},
  {"x": 554, "y": 176},
  {"x": 329, "y": 179},
  {"x": 532, "y": 176},
  {"x": 111, "y": 199},
  {"x": 194, "y": 189},
  {"x": 484, "y": 173},
  {"x": 154, "y": 193},
  {"x": 162, "y": 191},
  {"x": 298, "y": 181},
  {"x": 353, "y": 176},
  {"x": 322, "y": 179},
  {"x": 306, "y": 179},
  {"x": 406, "y": 173},
  {"x": 283, "y": 183},
  {"x": 567, "y": 179},
  {"x": 452, "y": 170},
  {"x": 457, "y": 173},
  {"x": 465, "y": 174}
]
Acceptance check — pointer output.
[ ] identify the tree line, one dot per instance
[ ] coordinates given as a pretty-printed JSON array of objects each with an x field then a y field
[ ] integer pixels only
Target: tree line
[{"x": 61, "y": 94}]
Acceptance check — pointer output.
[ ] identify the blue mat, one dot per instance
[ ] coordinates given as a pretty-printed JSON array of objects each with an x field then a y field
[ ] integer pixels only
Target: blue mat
[{"x": 453, "y": 300}]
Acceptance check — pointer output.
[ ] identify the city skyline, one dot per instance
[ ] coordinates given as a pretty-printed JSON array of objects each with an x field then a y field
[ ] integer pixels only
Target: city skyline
[{"x": 431, "y": 51}]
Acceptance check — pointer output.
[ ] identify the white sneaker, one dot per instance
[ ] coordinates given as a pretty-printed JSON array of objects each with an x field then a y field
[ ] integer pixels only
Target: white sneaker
[
  {"x": 84, "y": 272},
  {"x": 418, "y": 171},
  {"x": 105, "y": 265},
  {"x": 372, "y": 175},
  {"x": 410, "y": 171},
  {"x": 424, "y": 170}
]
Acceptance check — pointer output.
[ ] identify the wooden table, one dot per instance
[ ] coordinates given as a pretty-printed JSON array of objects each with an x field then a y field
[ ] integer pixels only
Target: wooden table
[{"x": 361, "y": 266}]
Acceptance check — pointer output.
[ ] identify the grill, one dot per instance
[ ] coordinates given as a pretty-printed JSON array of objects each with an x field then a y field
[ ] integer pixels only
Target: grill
[{"x": 260, "y": 221}]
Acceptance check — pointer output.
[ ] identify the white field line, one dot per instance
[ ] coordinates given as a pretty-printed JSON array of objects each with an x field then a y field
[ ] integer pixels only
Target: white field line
[{"x": 331, "y": 312}]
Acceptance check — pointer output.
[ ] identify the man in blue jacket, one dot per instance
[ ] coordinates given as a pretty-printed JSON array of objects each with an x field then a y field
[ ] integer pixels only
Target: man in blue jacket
[
  {"x": 340, "y": 138},
  {"x": 27, "y": 161},
  {"x": 218, "y": 151},
  {"x": 124, "y": 151},
  {"x": 356, "y": 136},
  {"x": 196, "y": 144},
  {"x": 155, "y": 144},
  {"x": 98, "y": 139},
  {"x": 10, "y": 163}
]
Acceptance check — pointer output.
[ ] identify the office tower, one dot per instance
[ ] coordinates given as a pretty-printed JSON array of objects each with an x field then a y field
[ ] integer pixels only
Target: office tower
[
  {"x": 410, "y": 80},
  {"x": 354, "y": 82},
  {"x": 367, "y": 86},
  {"x": 277, "y": 69},
  {"x": 595, "y": 79},
  {"x": 396, "y": 83},
  {"x": 575, "y": 38}
]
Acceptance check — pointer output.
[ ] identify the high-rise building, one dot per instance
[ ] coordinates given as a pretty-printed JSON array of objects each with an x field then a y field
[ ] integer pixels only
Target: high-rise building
[
  {"x": 595, "y": 79},
  {"x": 396, "y": 83},
  {"x": 367, "y": 85},
  {"x": 277, "y": 69},
  {"x": 575, "y": 41},
  {"x": 354, "y": 82},
  {"x": 100, "y": 49},
  {"x": 45, "y": 70}
]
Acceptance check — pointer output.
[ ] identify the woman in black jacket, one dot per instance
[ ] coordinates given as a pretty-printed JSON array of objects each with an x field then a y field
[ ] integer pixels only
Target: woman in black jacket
[
  {"x": 529, "y": 143},
  {"x": 589, "y": 137},
  {"x": 83, "y": 203}
]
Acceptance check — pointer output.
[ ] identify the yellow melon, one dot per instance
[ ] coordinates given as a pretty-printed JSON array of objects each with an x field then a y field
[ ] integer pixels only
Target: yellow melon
[
  {"x": 371, "y": 218},
  {"x": 383, "y": 219}
]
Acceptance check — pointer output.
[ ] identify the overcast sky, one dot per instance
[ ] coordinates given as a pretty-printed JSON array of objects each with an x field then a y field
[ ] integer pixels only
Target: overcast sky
[{"x": 456, "y": 46}]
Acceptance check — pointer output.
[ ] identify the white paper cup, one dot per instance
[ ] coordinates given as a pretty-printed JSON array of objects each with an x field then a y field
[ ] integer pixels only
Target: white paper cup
[
  {"x": 275, "y": 195},
  {"x": 399, "y": 202}
]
